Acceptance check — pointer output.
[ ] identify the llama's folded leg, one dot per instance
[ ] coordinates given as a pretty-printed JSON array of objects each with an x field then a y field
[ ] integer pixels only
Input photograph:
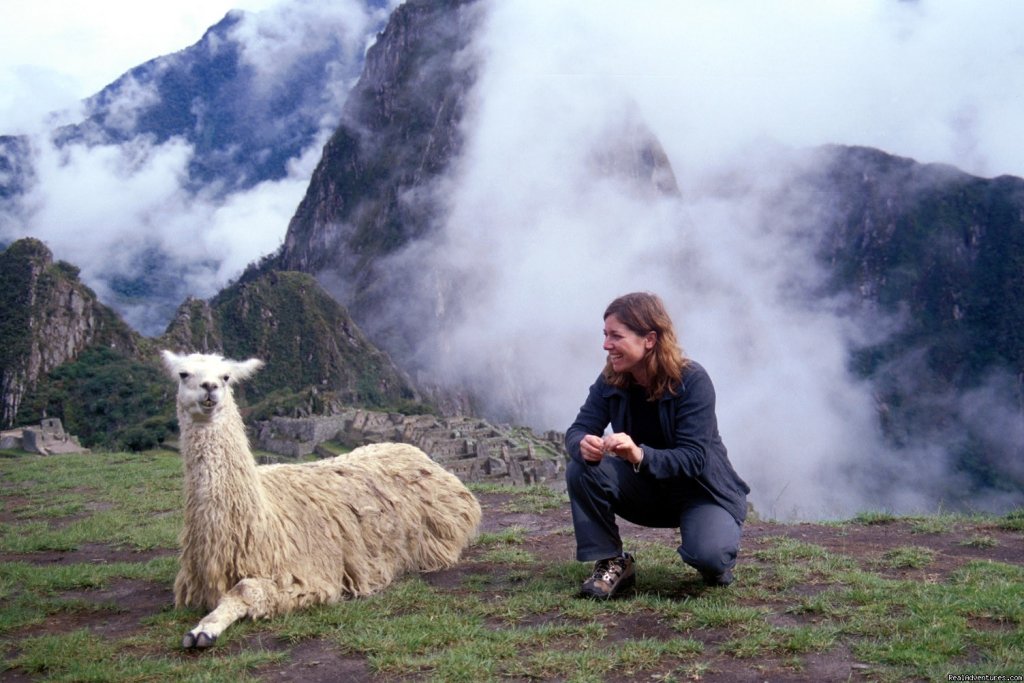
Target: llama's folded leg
[{"x": 253, "y": 598}]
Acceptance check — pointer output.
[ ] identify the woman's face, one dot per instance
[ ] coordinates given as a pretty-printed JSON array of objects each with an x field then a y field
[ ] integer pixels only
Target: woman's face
[{"x": 625, "y": 347}]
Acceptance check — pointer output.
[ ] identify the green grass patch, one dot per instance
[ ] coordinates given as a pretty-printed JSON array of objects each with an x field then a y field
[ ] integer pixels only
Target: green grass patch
[
  {"x": 908, "y": 557},
  {"x": 874, "y": 517},
  {"x": 533, "y": 498},
  {"x": 335, "y": 448},
  {"x": 66, "y": 501},
  {"x": 939, "y": 524},
  {"x": 511, "y": 612},
  {"x": 82, "y": 656},
  {"x": 1013, "y": 521},
  {"x": 980, "y": 541},
  {"x": 513, "y": 535}
]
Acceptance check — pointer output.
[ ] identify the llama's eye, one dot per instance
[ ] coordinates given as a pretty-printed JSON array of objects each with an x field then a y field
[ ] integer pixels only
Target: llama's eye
[
  {"x": 225, "y": 378},
  {"x": 183, "y": 375}
]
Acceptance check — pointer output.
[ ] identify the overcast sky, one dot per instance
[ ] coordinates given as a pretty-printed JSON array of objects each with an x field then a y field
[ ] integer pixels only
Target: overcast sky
[{"x": 938, "y": 80}]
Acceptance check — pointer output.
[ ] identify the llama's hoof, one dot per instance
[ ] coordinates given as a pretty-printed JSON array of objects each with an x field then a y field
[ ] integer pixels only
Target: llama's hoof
[{"x": 197, "y": 640}]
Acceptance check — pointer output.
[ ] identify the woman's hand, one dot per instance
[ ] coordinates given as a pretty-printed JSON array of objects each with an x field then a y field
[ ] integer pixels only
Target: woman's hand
[
  {"x": 622, "y": 446},
  {"x": 592, "y": 448}
]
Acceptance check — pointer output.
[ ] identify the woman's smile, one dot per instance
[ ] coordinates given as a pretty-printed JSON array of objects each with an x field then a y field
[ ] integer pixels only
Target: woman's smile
[{"x": 626, "y": 349}]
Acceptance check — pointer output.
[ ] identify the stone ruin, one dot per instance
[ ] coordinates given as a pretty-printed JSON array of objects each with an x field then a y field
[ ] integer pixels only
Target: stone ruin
[
  {"x": 471, "y": 448},
  {"x": 46, "y": 438}
]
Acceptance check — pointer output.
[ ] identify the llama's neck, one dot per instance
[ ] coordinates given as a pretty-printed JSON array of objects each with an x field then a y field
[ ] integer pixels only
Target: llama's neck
[{"x": 219, "y": 469}]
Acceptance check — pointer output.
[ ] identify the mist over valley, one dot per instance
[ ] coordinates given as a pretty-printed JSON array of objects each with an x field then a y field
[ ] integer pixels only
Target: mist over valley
[{"x": 840, "y": 243}]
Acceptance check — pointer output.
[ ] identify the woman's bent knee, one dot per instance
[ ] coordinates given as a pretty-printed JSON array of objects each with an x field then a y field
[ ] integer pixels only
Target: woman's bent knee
[
  {"x": 710, "y": 539},
  {"x": 709, "y": 558}
]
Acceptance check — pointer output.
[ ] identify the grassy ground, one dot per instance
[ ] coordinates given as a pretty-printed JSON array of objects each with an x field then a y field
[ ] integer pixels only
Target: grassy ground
[{"x": 87, "y": 561}]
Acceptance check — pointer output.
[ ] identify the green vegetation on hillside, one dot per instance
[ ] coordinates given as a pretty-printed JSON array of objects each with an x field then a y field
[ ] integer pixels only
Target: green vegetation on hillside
[
  {"x": 46, "y": 317},
  {"x": 307, "y": 340},
  {"x": 316, "y": 357},
  {"x": 16, "y": 264},
  {"x": 107, "y": 399}
]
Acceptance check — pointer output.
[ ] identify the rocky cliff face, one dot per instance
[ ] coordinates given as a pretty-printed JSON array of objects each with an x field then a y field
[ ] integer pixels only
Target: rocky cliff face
[
  {"x": 376, "y": 188},
  {"x": 194, "y": 328},
  {"x": 940, "y": 246},
  {"x": 931, "y": 260},
  {"x": 399, "y": 130},
  {"x": 47, "y": 317}
]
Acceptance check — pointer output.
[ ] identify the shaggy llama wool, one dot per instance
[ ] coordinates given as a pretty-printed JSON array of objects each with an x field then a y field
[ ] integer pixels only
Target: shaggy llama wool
[{"x": 261, "y": 540}]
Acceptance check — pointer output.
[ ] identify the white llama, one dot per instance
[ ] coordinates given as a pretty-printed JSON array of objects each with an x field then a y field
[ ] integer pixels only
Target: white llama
[{"x": 263, "y": 540}]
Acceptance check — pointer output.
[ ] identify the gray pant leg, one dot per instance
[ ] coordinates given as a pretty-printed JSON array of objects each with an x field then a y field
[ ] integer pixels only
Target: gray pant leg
[
  {"x": 592, "y": 491},
  {"x": 710, "y": 538},
  {"x": 597, "y": 493}
]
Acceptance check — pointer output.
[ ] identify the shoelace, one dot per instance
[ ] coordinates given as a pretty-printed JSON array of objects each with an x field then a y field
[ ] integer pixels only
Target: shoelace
[{"x": 611, "y": 570}]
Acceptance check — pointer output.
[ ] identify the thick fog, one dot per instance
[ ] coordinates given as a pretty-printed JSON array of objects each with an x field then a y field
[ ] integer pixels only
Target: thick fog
[{"x": 540, "y": 237}]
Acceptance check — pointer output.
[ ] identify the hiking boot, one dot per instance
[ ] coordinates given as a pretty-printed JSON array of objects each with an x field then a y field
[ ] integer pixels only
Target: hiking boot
[{"x": 610, "y": 577}]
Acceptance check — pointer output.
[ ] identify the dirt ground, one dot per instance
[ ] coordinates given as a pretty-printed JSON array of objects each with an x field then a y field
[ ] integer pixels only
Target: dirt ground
[{"x": 547, "y": 537}]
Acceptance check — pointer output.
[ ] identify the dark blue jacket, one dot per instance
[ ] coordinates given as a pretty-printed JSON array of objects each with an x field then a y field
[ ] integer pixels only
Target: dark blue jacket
[{"x": 690, "y": 427}]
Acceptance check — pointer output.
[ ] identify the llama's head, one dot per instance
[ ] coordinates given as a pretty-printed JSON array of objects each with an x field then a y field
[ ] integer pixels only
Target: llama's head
[{"x": 204, "y": 380}]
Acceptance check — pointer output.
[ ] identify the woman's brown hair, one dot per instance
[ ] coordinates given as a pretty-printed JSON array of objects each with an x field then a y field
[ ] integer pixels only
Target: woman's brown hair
[{"x": 642, "y": 313}]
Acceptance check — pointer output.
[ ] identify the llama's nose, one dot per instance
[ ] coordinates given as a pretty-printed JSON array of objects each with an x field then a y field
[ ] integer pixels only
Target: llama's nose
[{"x": 209, "y": 386}]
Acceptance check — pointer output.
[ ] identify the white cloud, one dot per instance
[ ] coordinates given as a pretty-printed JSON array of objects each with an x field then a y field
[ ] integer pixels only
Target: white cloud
[
  {"x": 106, "y": 207},
  {"x": 538, "y": 241},
  {"x": 119, "y": 211},
  {"x": 94, "y": 205},
  {"x": 894, "y": 75},
  {"x": 54, "y": 53},
  {"x": 249, "y": 224},
  {"x": 130, "y": 98},
  {"x": 275, "y": 38}
]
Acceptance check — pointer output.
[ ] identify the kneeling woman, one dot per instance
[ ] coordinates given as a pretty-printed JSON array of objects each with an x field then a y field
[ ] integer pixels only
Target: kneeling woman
[{"x": 662, "y": 465}]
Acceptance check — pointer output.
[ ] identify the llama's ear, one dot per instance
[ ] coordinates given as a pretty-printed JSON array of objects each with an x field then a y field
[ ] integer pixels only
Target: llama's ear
[
  {"x": 172, "y": 362},
  {"x": 245, "y": 369}
]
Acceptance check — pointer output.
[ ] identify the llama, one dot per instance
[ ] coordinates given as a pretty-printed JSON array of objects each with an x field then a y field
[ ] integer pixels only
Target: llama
[{"x": 262, "y": 540}]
